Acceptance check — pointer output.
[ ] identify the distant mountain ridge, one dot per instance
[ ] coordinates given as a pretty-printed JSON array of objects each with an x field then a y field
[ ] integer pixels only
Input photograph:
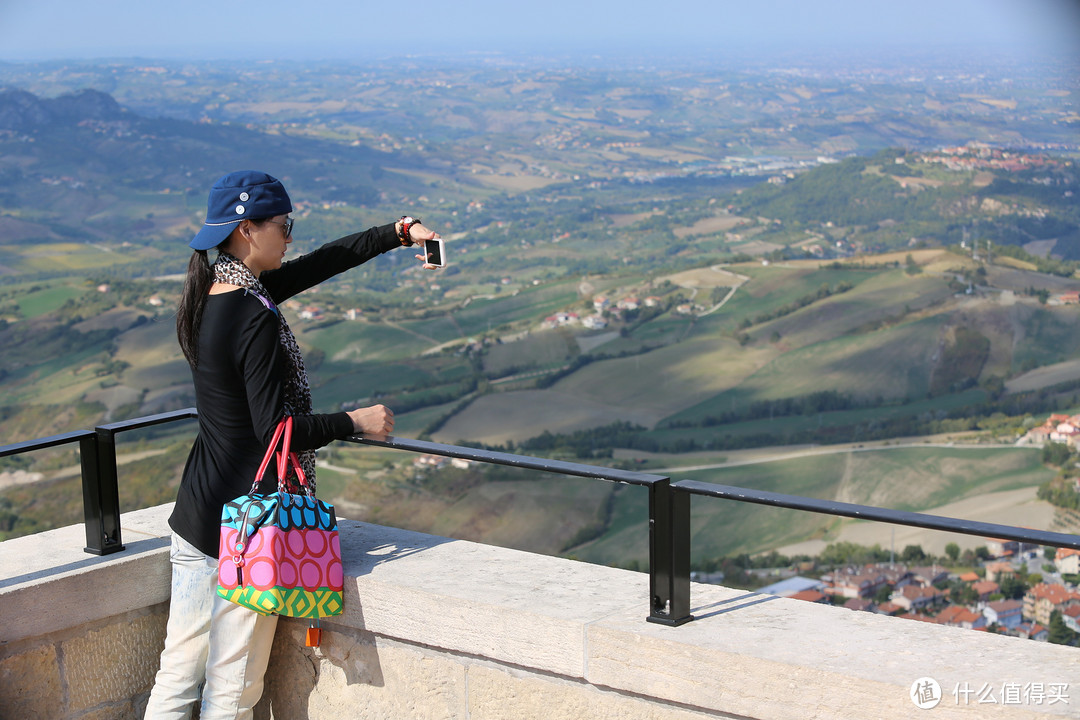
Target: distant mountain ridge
[
  {"x": 23, "y": 111},
  {"x": 83, "y": 155}
]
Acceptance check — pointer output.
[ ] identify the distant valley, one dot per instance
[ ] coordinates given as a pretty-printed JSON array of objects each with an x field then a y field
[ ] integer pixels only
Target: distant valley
[{"x": 695, "y": 263}]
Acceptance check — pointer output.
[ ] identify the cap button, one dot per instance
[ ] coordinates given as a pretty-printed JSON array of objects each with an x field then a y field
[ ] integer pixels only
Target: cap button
[
  {"x": 239, "y": 209},
  {"x": 244, "y": 197}
]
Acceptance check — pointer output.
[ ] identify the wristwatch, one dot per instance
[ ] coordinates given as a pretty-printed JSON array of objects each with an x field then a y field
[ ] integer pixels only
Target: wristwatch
[{"x": 406, "y": 225}]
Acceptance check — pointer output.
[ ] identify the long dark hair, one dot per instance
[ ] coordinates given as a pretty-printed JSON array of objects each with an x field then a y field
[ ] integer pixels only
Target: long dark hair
[{"x": 192, "y": 301}]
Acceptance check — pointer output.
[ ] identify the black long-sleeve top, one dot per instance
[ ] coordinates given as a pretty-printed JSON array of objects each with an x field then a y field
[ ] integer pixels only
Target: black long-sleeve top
[{"x": 239, "y": 387}]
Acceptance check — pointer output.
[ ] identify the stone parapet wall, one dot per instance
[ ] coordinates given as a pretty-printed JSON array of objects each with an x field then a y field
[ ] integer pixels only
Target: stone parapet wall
[
  {"x": 439, "y": 628},
  {"x": 94, "y": 671},
  {"x": 80, "y": 634},
  {"x": 361, "y": 675}
]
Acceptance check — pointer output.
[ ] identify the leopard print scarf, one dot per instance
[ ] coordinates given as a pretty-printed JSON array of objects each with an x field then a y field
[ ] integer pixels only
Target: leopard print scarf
[{"x": 231, "y": 271}]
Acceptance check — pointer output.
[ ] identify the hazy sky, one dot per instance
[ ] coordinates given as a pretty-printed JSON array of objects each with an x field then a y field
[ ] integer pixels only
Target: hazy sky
[{"x": 334, "y": 29}]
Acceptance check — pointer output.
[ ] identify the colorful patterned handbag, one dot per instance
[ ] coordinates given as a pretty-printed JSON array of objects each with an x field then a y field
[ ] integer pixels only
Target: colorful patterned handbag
[{"x": 280, "y": 553}]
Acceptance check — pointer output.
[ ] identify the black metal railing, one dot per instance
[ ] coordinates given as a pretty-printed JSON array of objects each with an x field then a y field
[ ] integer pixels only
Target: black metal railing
[
  {"x": 669, "y": 516},
  {"x": 669, "y": 503},
  {"x": 100, "y": 483}
]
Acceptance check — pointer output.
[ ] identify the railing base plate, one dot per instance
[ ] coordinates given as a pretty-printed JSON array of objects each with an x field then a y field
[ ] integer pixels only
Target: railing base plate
[
  {"x": 670, "y": 622},
  {"x": 104, "y": 551}
]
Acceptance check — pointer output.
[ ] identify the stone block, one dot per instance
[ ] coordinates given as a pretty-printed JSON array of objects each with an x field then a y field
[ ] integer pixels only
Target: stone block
[
  {"x": 114, "y": 663},
  {"x": 513, "y": 607},
  {"x": 53, "y": 584},
  {"x": 355, "y": 674},
  {"x": 502, "y": 694},
  {"x": 30, "y": 685},
  {"x": 113, "y": 711},
  {"x": 762, "y": 656}
]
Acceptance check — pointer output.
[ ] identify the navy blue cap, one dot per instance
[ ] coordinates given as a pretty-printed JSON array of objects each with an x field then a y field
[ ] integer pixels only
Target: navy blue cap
[{"x": 243, "y": 195}]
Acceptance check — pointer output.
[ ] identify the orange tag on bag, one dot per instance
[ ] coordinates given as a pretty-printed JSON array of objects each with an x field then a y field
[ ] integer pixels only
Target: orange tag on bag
[{"x": 314, "y": 636}]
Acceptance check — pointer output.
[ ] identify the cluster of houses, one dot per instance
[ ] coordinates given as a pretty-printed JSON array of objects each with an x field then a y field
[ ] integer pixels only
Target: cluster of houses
[
  {"x": 1057, "y": 428},
  {"x": 688, "y": 308},
  {"x": 316, "y": 313},
  {"x": 978, "y": 156},
  {"x": 603, "y": 305},
  {"x": 1069, "y": 297},
  {"x": 829, "y": 248},
  {"x": 438, "y": 462},
  {"x": 603, "y": 309},
  {"x": 561, "y": 319},
  {"x": 916, "y": 593}
]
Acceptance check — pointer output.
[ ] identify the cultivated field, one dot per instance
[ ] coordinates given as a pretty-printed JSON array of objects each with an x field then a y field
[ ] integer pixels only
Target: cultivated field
[
  {"x": 1045, "y": 376},
  {"x": 1009, "y": 507},
  {"x": 523, "y": 414},
  {"x": 710, "y": 226},
  {"x": 977, "y": 483}
]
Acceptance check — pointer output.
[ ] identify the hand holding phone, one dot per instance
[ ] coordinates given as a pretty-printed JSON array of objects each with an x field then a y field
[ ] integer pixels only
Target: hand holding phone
[{"x": 435, "y": 252}]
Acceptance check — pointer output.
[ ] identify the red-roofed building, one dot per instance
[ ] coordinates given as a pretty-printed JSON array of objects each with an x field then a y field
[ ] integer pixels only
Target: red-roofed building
[
  {"x": 959, "y": 616},
  {"x": 1067, "y": 432},
  {"x": 897, "y": 576},
  {"x": 970, "y": 577},
  {"x": 1067, "y": 561},
  {"x": 1044, "y": 598},
  {"x": 1032, "y": 631},
  {"x": 985, "y": 588},
  {"x": 1039, "y": 435},
  {"x": 861, "y": 604},
  {"x": 854, "y": 584},
  {"x": 927, "y": 576},
  {"x": 813, "y": 596},
  {"x": 945, "y": 617},
  {"x": 995, "y": 570},
  {"x": 1071, "y": 616},
  {"x": 1001, "y": 548},
  {"x": 430, "y": 461},
  {"x": 913, "y": 597},
  {"x": 888, "y": 608}
]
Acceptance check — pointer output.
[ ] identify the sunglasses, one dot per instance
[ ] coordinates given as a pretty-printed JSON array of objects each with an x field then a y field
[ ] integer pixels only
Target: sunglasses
[{"x": 287, "y": 226}]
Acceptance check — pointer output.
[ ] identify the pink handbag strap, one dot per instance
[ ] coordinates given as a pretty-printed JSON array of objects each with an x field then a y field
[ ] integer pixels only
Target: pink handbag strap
[{"x": 285, "y": 457}]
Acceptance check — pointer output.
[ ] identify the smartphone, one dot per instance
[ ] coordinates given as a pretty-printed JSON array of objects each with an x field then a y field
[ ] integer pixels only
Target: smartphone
[{"x": 434, "y": 250}]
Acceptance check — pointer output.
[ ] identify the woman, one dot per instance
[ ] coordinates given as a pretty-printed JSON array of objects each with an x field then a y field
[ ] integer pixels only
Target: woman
[{"x": 248, "y": 373}]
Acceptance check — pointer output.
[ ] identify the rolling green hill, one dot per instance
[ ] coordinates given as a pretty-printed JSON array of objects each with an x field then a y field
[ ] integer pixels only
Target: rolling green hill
[
  {"x": 893, "y": 339},
  {"x": 763, "y": 368}
]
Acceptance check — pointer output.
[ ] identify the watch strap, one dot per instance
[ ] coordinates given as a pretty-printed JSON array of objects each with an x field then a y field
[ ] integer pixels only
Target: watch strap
[{"x": 406, "y": 225}]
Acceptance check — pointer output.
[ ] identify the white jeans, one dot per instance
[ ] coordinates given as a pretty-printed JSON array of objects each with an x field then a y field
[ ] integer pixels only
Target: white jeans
[{"x": 208, "y": 638}]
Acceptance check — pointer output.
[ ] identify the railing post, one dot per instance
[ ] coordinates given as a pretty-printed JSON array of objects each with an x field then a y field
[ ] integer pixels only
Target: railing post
[
  {"x": 669, "y": 555},
  {"x": 101, "y": 493}
]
